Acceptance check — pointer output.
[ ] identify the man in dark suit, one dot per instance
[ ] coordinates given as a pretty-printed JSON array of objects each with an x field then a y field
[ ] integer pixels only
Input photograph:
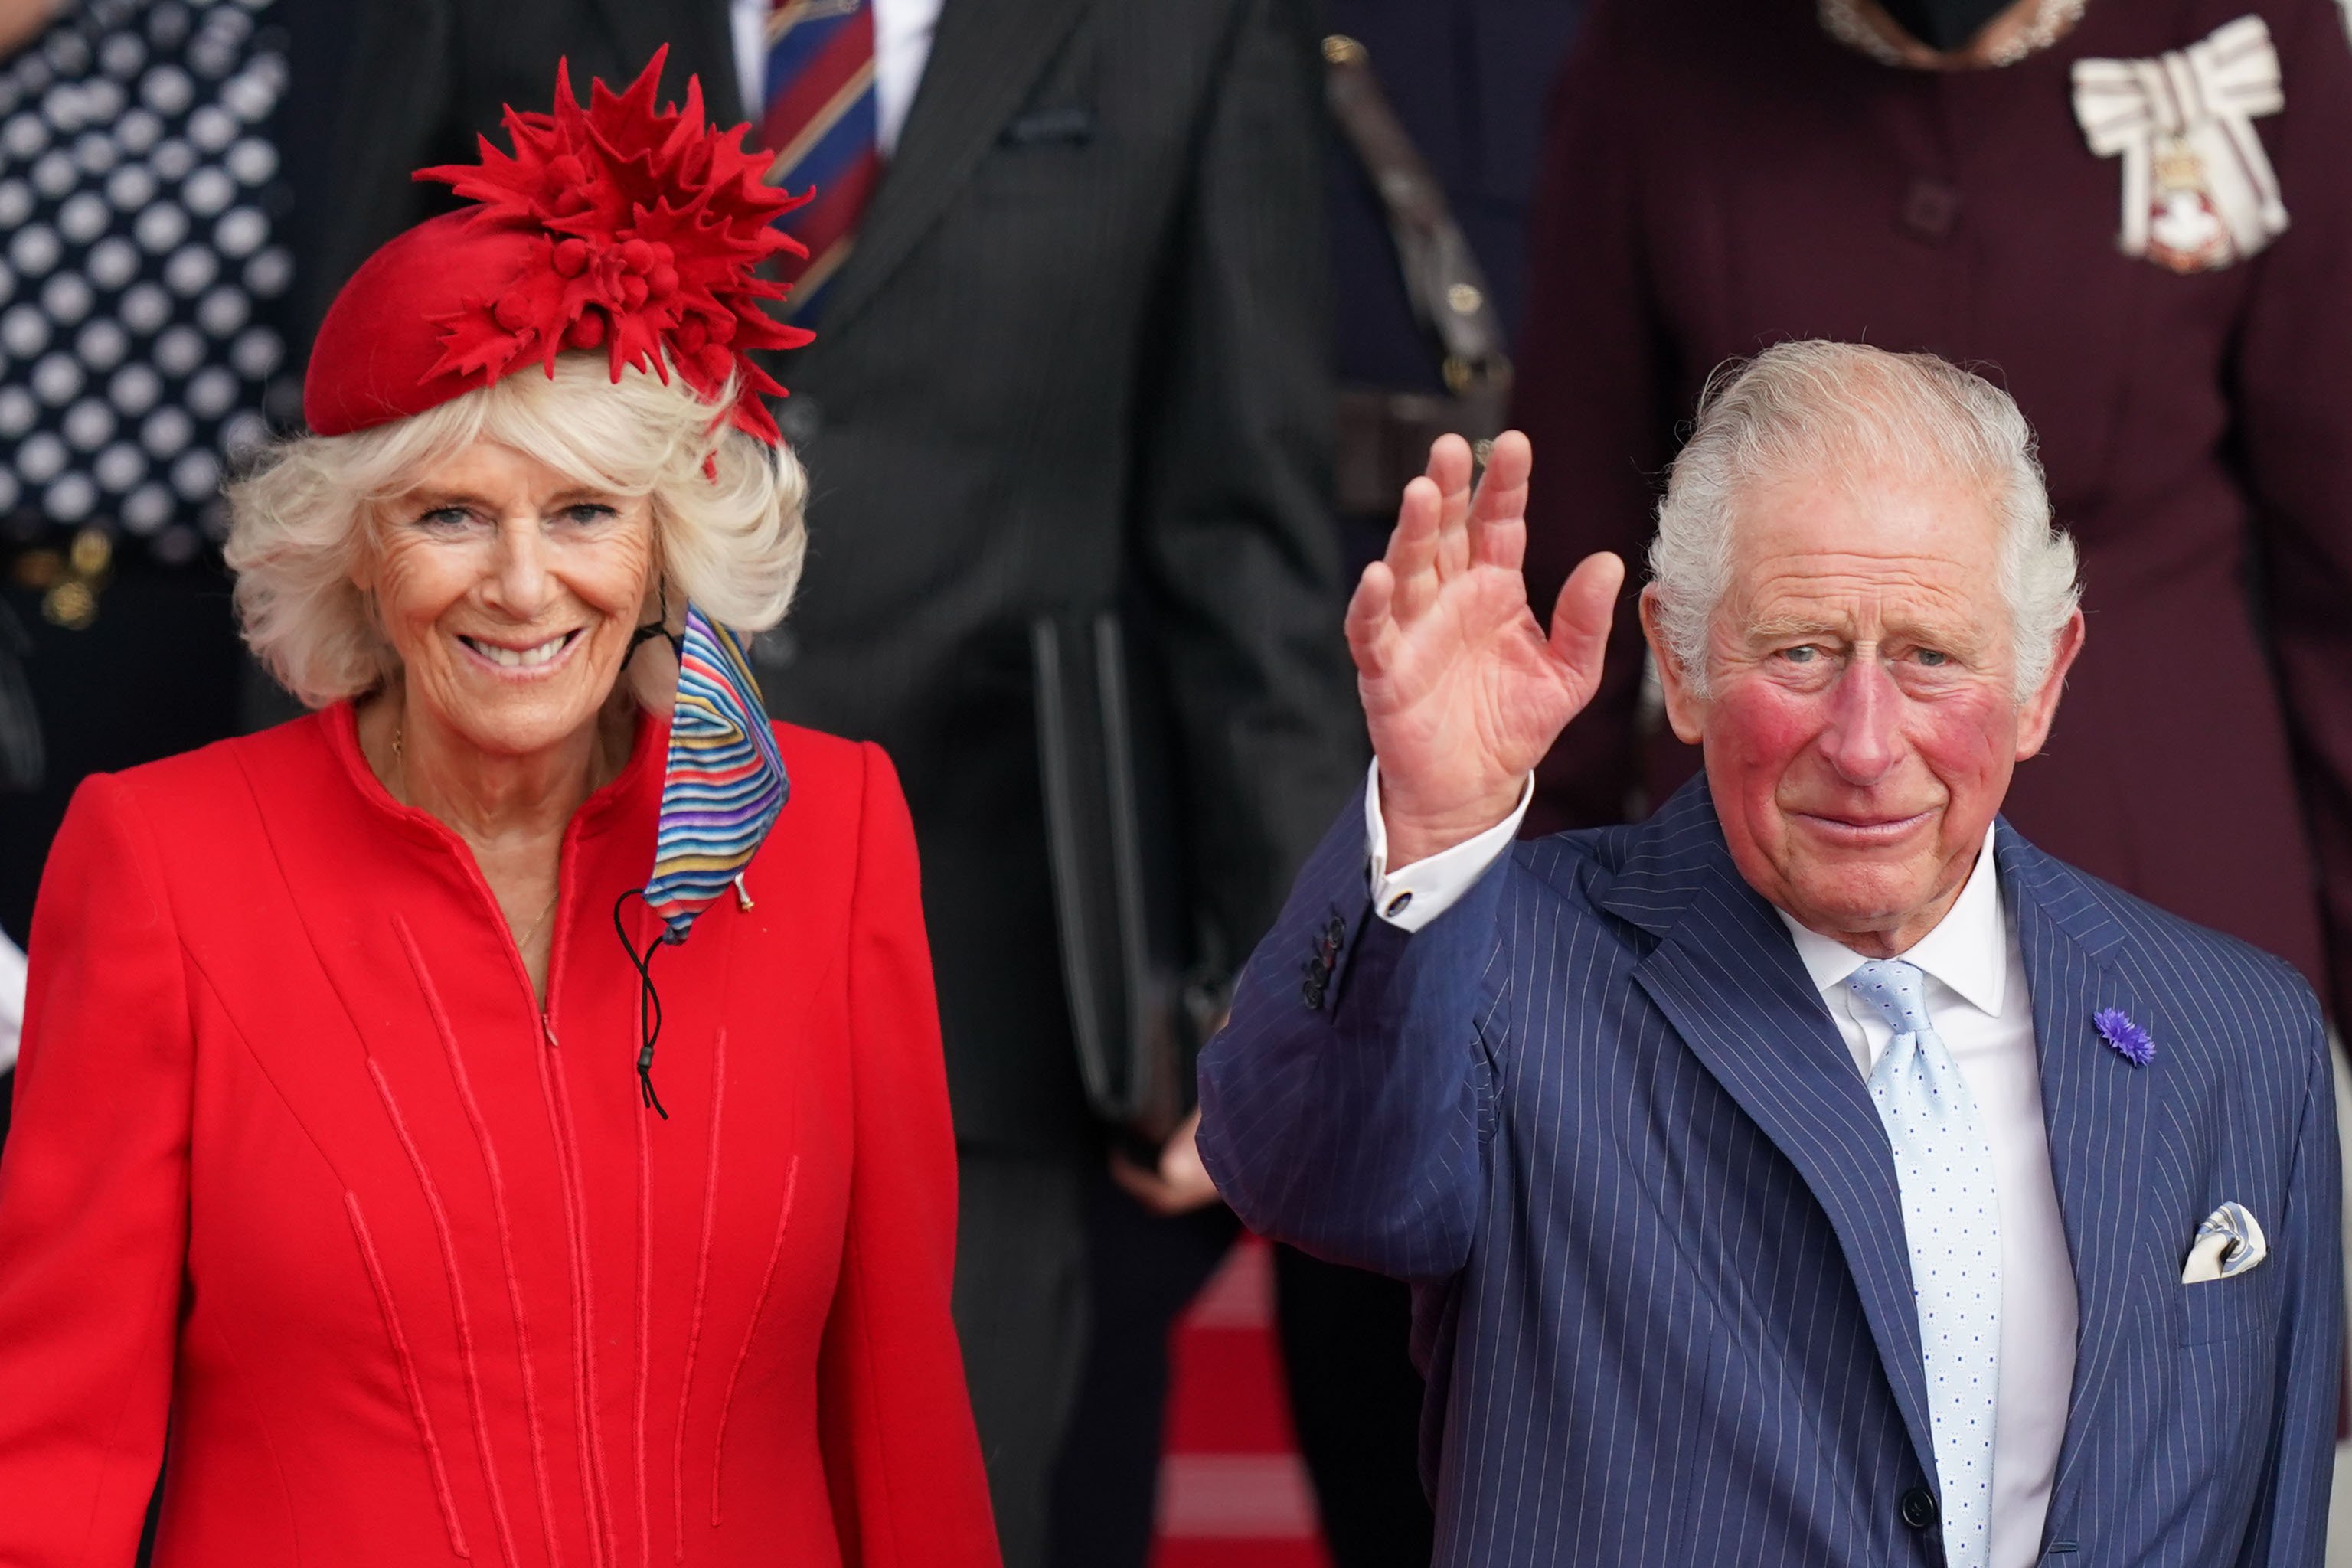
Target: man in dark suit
[
  {"x": 1816, "y": 1172},
  {"x": 1467, "y": 82},
  {"x": 1065, "y": 421},
  {"x": 1723, "y": 174},
  {"x": 387, "y": 87}
]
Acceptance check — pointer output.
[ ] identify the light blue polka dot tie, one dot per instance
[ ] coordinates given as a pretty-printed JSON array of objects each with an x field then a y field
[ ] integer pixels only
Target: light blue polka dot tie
[{"x": 1951, "y": 1218}]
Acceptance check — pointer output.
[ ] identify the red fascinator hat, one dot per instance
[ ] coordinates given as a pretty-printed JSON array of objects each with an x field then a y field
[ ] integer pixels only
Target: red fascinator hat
[{"x": 618, "y": 228}]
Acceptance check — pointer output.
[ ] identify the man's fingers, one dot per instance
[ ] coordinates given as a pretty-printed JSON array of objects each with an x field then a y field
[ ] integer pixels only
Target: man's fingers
[
  {"x": 1450, "y": 468},
  {"x": 1371, "y": 625},
  {"x": 1503, "y": 490},
  {"x": 1580, "y": 619},
  {"x": 1413, "y": 547},
  {"x": 1162, "y": 1192},
  {"x": 1497, "y": 528},
  {"x": 1144, "y": 1187}
]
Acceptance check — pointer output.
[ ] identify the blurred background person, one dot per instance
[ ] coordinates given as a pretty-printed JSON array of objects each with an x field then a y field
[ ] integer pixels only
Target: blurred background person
[
  {"x": 1067, "y": 425},
  {"x": 146, "y": 267},
  {"x": 11, "y": 1023},
  {"x": 143, "y": 266},
  {"x": 1437, "y": 128},
  {"x": 20, "y": 769},
  {"x": 389, "y": 86},
  {"x": 2155, "y": 273},
  {"x": 1067, "y": 422}
]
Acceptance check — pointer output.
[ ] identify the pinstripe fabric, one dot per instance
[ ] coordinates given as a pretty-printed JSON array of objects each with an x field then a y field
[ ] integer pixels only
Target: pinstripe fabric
[{"x": 1599, "y": 1115}]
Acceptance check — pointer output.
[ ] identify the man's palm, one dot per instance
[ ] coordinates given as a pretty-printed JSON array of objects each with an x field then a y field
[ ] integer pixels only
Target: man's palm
[{"x": 1462, "y": 690}]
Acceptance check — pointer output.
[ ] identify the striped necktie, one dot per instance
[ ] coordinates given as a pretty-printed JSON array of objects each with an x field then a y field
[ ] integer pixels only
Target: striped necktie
[{"x": 820, "y": 123}]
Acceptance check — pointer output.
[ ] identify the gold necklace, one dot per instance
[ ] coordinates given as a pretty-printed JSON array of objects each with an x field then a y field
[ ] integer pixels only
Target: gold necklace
[
  {"x": 400, "y": 759},
  {"x": 524, "y": 945}
]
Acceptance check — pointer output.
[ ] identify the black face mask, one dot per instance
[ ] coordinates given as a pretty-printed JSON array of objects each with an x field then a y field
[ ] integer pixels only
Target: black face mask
[{"x": 1944, "y": 24}]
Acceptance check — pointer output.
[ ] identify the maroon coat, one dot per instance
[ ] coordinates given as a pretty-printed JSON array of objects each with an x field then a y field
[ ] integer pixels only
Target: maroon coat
[{"x": 1722, "y": 174}]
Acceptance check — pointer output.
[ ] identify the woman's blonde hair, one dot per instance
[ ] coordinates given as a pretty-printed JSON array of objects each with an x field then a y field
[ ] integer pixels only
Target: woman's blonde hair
[{"x": 727, "y": 510}]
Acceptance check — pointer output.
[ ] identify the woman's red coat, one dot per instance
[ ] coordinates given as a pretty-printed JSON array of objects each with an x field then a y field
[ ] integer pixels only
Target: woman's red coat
[{"x": 301, "y": 1169}]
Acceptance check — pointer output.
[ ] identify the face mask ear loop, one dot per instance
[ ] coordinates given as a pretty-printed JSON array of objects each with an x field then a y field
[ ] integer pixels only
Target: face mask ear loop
[
  {"x": 649, "y": 1009},
  {"x": 657, "y": 627}
]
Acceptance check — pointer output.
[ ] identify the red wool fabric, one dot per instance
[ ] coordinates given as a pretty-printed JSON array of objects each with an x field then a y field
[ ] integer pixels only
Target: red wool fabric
[
  {"x": 375, "y": 355},
  {"x": 620, "y": 228},
  {"x": 300, "y": 1159}
]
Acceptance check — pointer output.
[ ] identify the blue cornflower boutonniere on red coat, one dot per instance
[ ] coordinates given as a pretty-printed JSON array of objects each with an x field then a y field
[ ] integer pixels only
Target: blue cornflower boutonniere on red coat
[{"x": 2131, "y": 1042}]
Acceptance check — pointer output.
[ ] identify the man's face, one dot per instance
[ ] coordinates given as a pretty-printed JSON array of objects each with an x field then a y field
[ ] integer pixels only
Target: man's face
[{"x": 1861, "y": 721}]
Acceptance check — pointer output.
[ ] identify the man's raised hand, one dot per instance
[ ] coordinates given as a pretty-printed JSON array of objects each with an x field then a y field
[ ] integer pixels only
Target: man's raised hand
[{"x": 1462, "y": 690}]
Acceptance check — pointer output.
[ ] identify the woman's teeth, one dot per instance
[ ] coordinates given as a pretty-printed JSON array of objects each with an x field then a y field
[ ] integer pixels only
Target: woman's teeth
[{"x": 522, "y": 658}]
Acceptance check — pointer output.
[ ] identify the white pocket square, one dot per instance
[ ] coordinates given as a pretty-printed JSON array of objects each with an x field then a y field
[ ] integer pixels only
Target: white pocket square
[{"x": 2229, "y": 1243}]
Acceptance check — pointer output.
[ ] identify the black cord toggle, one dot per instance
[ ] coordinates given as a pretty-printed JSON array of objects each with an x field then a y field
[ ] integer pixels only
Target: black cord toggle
[{"x": 649, "y": 1009}]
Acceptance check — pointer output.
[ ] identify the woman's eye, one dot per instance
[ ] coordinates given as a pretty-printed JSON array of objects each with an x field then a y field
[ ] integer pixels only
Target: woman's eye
[
  {"x": 445, "y": 519},
  {"x": 588, "y": 513}
]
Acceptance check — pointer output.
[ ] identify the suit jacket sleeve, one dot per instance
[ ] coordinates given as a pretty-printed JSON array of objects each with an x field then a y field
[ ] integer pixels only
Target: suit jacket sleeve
[
  {"x": 2292, "y": 1489},
  {"x": 93, "y": 1198},
  {"x": 2296, "y": 420},
  {"x": 1236, "y": 452},
  {"x": 1593, "y": 396},
  {"x": 901, "y": 1457},
  {"x": 1349, "y": 1117}
]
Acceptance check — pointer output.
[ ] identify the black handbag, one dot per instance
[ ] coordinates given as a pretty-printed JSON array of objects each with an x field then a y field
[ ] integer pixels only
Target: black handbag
[{"x": 1142, "y": 1003}]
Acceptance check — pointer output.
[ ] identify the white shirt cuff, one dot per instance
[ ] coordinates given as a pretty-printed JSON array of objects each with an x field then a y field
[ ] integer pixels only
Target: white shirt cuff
[
  {"x": 1410, "y": 897},
  {"x": 12, "y": 1001}
]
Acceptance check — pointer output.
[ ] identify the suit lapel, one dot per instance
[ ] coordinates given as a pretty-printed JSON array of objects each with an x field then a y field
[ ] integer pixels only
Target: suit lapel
[
  {"x": 702, "y": 42},
  {"x": 1727, "y": 977},
  {"x": 984, "y": 60},
  {"x": 2099, "y": 1109}
]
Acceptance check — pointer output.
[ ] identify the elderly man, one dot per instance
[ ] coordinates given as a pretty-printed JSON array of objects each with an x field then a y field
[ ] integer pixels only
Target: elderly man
[{"x": 1816, "y": 1173}]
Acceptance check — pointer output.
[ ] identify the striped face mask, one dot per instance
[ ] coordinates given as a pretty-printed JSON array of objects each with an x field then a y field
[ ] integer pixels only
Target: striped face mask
[
  {"x": 721, "y": 792},
  {"x": 725, "y": 782}
]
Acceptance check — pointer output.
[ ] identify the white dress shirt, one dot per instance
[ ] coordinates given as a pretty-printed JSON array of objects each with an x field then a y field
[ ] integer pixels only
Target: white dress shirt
[
  {"x": 1415, "y": 895},
  {"x": 1976, "y": 994},
  {"x": 12, "y": 1001},
  {"x": 902, "y": 48}
]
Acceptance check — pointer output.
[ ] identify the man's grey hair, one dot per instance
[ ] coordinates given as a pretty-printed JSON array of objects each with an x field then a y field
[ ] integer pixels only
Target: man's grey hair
[{"x": 1813, "y": 407}]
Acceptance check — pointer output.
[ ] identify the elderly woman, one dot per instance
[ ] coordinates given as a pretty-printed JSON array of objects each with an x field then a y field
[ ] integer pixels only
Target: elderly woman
[{"x": 343, "y": 1146}]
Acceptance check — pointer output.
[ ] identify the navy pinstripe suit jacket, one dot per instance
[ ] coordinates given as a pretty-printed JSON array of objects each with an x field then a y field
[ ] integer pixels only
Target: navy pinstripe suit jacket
[{"x": 1598, "y": 1112}]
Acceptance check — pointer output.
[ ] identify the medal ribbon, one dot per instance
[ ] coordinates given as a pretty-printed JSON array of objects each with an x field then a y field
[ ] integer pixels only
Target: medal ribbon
[{"x": 2206, "y": 98}]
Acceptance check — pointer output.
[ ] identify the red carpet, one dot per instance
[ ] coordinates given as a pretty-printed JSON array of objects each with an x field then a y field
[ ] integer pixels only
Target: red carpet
[{"x": 1233, "y": 1492}]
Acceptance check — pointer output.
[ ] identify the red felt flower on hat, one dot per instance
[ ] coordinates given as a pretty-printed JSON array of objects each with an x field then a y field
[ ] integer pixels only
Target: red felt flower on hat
[{"x": 647, "y": 229}]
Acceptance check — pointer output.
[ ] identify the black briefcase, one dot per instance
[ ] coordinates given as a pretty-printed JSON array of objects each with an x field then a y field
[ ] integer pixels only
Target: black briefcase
[{"x": 1141, "y": 1006}]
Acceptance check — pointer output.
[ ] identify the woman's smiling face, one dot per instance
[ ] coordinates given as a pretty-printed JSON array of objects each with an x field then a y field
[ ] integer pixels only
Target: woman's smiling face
[{"x": 510, "y": 591}]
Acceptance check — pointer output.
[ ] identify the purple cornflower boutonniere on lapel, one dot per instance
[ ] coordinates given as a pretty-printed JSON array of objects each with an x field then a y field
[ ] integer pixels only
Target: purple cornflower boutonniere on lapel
[{"x": 2131, "y": 1042}]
